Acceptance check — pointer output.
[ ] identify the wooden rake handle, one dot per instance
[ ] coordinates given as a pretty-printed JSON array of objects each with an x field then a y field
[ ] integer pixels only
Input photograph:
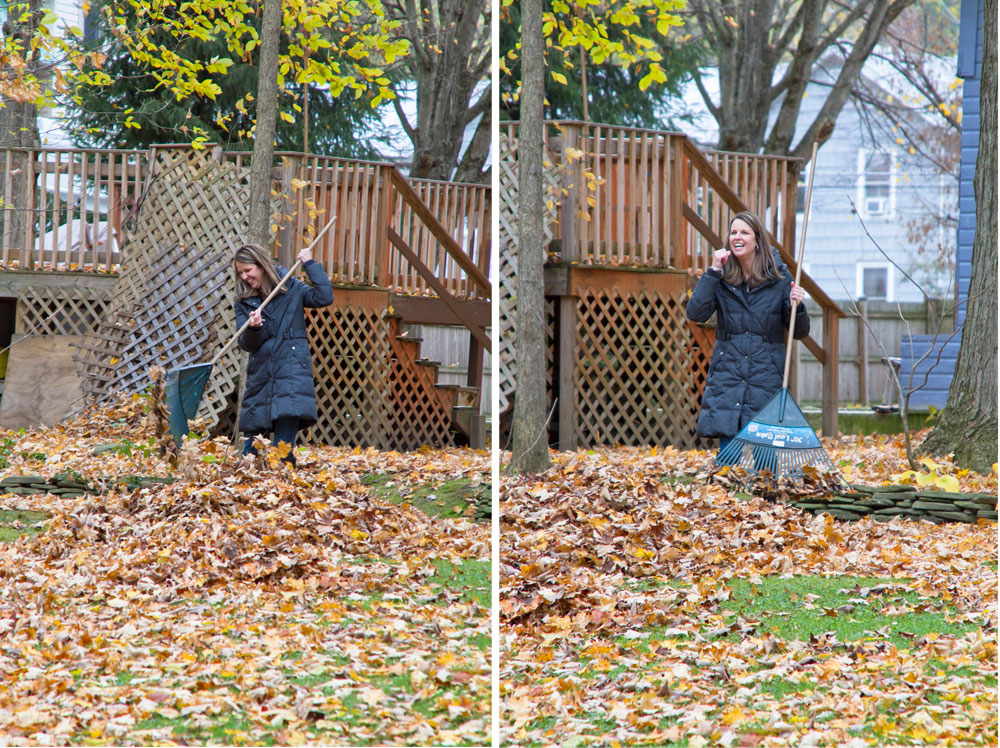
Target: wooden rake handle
[
  {"x": 798, "y": 263},
  {"x": 274, "y": 292}
]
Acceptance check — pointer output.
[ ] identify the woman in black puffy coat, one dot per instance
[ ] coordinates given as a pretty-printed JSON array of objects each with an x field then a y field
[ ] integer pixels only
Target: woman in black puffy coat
[
  {"x": 751, "y": 291},
  {"x": 280, "y": 395}
]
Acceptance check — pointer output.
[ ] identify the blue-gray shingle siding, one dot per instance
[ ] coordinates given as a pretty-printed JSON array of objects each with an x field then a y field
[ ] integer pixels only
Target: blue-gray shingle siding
[
  {"x": 970, "y": 55},
  {"x": 940, "y": 355}
]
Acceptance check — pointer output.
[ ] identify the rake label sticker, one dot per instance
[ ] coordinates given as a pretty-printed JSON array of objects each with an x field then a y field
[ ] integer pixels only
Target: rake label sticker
[{"x": 781, "y": 436}]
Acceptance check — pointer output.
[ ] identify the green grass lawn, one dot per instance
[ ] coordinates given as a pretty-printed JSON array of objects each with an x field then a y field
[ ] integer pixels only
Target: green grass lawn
[
  {"x": 453, "y": 498},
  {"x": 17, "y": 522}
]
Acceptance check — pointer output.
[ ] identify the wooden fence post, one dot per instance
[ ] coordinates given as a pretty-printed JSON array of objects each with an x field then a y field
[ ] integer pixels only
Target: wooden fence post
[
  {"x": 831, "y": 382},
  {"x": 863, "y": 351}
]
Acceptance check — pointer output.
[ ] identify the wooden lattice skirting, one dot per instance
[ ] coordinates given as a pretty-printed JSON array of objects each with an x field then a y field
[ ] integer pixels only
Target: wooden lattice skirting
[
  {"x": 371, "y": 388},
  {"x": 53, "y": 310},
  {"x": 638, "y": 372},
  {"x": 638, "y": 376}
]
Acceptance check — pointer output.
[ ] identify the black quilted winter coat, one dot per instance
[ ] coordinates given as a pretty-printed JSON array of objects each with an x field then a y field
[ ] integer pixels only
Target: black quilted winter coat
[
  {"x": 279, "y": 374},
  {"x": 748, "y": 359}
]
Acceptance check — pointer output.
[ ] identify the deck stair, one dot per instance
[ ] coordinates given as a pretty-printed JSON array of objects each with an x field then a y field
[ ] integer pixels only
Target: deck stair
[{"x": 415, "y": 383}]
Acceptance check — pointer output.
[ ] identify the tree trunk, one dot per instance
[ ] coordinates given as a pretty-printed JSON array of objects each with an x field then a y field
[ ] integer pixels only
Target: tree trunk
[
  {"x": 968, "y": 425},
  {"x": 530, "y": 442},
  {"x": 18, "y": 129},
  {"x": 477, "y": 153},
  {"x": 267, "y": 115},
  {"x": 450, "y": 57}
]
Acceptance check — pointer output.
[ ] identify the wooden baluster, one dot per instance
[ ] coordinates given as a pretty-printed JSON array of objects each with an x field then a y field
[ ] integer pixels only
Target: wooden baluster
[
  {"x": 386, "y": 205},
  {"x": 831, "y": 375}
]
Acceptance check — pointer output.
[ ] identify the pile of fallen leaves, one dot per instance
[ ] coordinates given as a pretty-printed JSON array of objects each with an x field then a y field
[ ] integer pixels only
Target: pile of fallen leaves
[
  {"x": 615, "y": 564},
  {"x": 167, "y": 606}
]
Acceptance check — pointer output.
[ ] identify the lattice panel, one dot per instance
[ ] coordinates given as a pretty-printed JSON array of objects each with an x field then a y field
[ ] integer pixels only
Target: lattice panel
[
  {"x": 350, "y": 353},
  {"x": 637, "y": 374},
  {"x": 370, "y": 388},
  {"x": 418, "y": 415},
  {"x": 175, "y": 325},
  {"x": 172, "y": 302},
  {"x": 506, "y": 299},
  {"x": 60, "y": 311}
]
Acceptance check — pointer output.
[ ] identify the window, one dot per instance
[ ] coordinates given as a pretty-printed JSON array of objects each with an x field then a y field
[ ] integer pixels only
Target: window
[
  {"x": 874, "y": 281},
  {"x": 91, "y": 28},
  {"x": 876, "y": 181}
]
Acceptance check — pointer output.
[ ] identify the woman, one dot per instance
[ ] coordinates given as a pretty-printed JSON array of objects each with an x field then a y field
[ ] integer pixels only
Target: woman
[
  {"x": 280, "y": 397},
  {"x": 751, "y": 292}
]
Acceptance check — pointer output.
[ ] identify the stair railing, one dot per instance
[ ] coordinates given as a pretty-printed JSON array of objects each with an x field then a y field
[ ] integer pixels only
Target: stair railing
[{"x": 474, "y": 273}]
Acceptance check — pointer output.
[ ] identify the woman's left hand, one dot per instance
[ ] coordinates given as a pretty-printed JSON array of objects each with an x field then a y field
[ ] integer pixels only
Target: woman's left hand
[
  {"x": 798, "y": 294},
  {"x": 304, "y": 255}
]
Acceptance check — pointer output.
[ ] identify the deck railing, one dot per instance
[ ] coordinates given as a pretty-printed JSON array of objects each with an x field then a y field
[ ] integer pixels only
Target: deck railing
[
  {"x": 70, "y": 209},
  {"x": 639, "y": 198},
  {"x": 67, "y": 209}
]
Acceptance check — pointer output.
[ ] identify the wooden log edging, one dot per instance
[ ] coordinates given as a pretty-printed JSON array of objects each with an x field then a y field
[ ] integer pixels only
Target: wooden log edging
[{"x": 885, "y": 503}]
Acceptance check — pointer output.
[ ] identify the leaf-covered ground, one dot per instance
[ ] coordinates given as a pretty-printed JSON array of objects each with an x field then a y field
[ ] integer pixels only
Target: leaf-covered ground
[
  {"x": 242, "y": 603},
  {"x": 642, "y": 605}
]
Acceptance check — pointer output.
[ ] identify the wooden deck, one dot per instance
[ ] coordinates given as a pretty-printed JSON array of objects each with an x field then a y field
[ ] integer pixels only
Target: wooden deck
[
  {"x": 83, "y": 203},
  {"x": 647, "y": 208}
]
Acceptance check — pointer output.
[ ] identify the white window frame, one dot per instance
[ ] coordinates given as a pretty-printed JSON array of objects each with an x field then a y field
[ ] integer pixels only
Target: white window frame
[
  {"x": 890, "y": 279},
  {"x": 890, "y": 210}
]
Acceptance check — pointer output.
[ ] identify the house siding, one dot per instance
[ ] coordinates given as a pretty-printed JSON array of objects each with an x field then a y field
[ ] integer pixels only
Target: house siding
[
  {"x": 838, "y": 240},
  {"x": 938, "y": 371},
  {"x": 970, "y": 59}
]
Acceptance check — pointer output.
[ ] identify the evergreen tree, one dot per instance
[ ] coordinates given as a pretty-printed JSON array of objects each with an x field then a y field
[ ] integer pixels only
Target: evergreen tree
[
  {"x": 344, "y": 126},
  {"x": 614, "y": 94}
]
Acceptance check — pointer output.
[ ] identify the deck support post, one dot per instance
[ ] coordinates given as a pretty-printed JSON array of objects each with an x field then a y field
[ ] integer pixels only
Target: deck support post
[
  {"x": 566, "y": 327},
  {"x": 565, "y": 302}
]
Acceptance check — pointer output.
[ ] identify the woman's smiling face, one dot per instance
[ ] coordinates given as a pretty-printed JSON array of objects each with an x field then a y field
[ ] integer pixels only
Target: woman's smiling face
[
  {"x": 742, "y": 241},
  {"x": 250, "y": 273}
]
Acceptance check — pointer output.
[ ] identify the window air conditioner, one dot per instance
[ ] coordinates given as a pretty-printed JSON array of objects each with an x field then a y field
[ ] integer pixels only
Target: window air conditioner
[{"x": 875, "y": 206}]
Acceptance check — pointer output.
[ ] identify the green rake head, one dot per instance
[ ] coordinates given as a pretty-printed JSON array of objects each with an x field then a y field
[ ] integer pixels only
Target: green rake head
[{"x": 184, "y": 388}]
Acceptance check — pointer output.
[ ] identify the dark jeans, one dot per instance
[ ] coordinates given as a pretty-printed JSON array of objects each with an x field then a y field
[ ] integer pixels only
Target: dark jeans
[{"x": 284, "y": 430}]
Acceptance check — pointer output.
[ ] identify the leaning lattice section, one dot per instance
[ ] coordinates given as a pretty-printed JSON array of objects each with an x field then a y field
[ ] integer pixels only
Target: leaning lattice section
[
  {"x": 638, "y": 372},
  {"x": 508, "y": 174},
  {"x": 172, "y": 302}
]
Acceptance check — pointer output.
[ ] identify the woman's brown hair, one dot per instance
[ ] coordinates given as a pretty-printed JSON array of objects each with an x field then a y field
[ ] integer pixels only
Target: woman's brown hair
[
  {"x": 254, "y": 254},
  {"x": 763, "y": 267}
]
